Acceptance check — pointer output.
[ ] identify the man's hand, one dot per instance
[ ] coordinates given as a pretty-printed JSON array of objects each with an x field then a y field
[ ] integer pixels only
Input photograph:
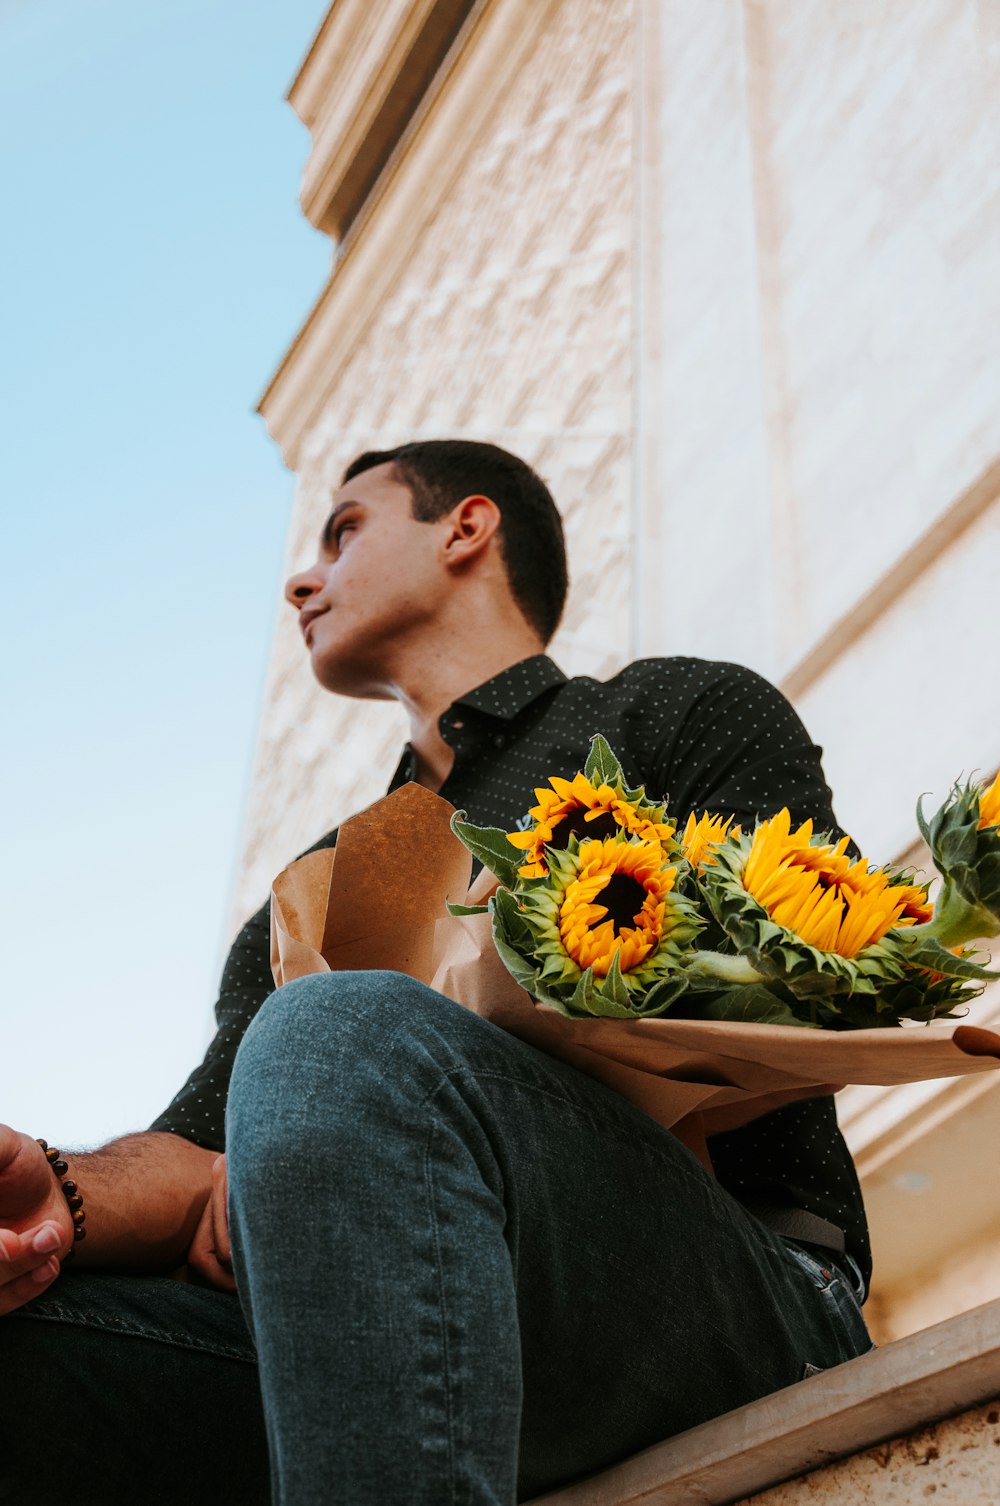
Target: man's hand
[
  {"x": 210, "y": 1256},
  {"x": 36, "y": 1226},
  {"x": 144, "y": 1196}
]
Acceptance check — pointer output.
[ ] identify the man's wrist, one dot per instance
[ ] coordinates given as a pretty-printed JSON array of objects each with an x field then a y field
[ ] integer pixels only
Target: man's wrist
[{"x": 72, "y": 1197}]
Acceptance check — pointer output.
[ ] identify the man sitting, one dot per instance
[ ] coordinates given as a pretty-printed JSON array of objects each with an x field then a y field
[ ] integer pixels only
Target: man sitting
[{"x": 447, "y": 1266}]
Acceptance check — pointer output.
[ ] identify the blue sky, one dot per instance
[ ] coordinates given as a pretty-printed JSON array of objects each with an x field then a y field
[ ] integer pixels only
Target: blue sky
[{"x": 155, "y": 267}]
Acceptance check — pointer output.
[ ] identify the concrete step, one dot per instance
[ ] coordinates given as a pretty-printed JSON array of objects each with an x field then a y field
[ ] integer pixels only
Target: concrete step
[{"x": 907, "y": 1388}]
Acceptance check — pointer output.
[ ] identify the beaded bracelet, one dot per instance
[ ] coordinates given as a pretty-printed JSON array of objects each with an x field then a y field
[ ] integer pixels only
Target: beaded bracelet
[{"x": 74, "y": 1197}]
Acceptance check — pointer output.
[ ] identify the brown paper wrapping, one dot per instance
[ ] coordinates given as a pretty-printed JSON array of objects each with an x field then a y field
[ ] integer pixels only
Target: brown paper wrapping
[{"x": 378, "y": 901}]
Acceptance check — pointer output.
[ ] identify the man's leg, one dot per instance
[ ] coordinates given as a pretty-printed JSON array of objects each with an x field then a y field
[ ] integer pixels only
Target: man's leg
[
  {"x": 130, "y": 1391},
  {"x": 473, "y": 1272}
]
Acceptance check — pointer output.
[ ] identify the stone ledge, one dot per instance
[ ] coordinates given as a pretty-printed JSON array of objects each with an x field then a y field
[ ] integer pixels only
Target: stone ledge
[
  {"x": 360, "y": 84},
  {"x": 946, "y": 1369},
  {"x": 399, "y": 214}
]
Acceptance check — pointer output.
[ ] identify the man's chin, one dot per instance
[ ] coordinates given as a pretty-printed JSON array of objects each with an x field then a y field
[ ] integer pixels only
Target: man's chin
[{"x": 359, "y": 683}]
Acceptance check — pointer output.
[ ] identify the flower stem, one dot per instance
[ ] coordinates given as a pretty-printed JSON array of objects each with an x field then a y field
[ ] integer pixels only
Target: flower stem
[
  {"x": 725, "y": 968},
  {"x": 954, "y": 921}
]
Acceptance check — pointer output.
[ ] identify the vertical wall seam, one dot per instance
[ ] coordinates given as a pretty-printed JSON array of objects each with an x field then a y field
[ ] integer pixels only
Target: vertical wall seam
[
  {"x": 787, "y": 617},
  {"x": 638, "y": 502}
]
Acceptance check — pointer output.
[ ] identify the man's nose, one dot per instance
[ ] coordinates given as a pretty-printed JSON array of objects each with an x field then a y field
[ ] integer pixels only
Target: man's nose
[{"x": 299, "y": 588}]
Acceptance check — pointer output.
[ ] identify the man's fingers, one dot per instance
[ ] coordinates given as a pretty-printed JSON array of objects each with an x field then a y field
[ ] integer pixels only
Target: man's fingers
[
  {"x": 24, "y": 1252},
  {"x": 214, "y": 1274},
  {"x": 46, "y": 1272},
  {"x": 27, "y": 1265},
  {"x": 220, "y": 1215},
  {"x": 16, "y": 1293},
  {"x": 209, "y": 1254},
  {"x": 30, "y": 1257},
  {"x": 203, "y": 1257}
]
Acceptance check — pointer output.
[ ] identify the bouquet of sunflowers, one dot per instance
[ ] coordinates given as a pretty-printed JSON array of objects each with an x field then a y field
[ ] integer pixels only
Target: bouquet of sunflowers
[
  {"x": 605, "y": 909},
  {"x": 671, "y": 966}
]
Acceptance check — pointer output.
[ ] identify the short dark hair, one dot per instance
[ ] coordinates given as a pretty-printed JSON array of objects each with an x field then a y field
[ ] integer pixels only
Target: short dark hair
[{"x": 440, "y": 472}]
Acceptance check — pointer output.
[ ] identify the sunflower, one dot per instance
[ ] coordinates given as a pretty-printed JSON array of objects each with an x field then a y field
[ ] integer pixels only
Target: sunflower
[
  {"x": 578, "y": 808},
  {"x": 964, "y": 838},
  {"x": 703, "y": 833},
  {"x": 917, "y": 907},
  {"x": 826, "y": 929},
  {"x": 814, "y": 891},
  {"x": 989, "y": 805},
  {"x": 603, "y": 932},
  {"x": 616, "y": 904}
]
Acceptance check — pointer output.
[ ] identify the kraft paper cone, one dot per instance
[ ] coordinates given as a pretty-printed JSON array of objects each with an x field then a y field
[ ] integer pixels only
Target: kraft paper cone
[
  {"x": 373, "y": 901},
  {"x": 378, "y": 901}
]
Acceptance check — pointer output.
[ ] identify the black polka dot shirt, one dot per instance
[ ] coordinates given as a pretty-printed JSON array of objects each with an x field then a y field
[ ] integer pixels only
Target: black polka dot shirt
[{"x": 700, "y": 734}]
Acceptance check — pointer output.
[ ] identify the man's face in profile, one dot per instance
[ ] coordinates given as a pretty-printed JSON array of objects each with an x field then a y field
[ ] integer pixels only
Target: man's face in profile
[{"x": 376, "y": 579}]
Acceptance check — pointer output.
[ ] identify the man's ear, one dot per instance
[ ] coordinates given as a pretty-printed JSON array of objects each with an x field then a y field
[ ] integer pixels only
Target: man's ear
[{"x": 473, "y": 523}]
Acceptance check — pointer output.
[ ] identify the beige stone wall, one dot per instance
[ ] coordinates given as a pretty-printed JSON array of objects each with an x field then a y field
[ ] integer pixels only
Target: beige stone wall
[
  {"x": 879, "y": 137},
  {"x": 820, "y": 248},
  {"x": 728, "y": 276},
  {"x": 511, "y": 322}
]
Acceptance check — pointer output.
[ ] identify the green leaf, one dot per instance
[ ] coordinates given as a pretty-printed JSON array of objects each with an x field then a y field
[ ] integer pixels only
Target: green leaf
[
  {"x": 602, "y": 767},
  {"x": 465, "y": 909},
  {"x": 490, "y": 845},
  {"x": 753, "y": 1005},
  {"x": 928, "y": 952},
  {"x": 510, "y": 918},
  {"x": 603, "y": 1008},
  {"x": 660, "y": 996},
  {"x": 576, "y": 1003},
  {"x": 558, "y": 968},
  {"x": 561, "y": 997},
  {"x": 614, "y": 986},
  {"x": 922, "y": 822},
  {"x": 524, "y": 973},
  {"x": 602, "y": 1004}
]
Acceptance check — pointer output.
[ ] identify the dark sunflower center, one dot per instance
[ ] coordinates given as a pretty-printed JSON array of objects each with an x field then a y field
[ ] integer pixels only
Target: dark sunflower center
[
  {"x": 575, "y": 824},
  {"x": 622, "y": 897}
]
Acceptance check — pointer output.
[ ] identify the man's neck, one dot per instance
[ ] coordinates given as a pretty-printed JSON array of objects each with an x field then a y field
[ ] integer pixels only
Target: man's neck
[{"x": 434, "y": 757}]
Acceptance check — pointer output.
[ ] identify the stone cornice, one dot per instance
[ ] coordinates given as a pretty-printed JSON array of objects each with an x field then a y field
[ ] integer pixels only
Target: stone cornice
[
  {"x": 494, "y": 45},
  {"x": 359, "y": 86}
]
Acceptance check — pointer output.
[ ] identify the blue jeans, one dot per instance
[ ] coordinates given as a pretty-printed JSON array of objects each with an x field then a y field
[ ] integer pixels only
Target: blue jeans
[{"x": 470, "y": 1274}]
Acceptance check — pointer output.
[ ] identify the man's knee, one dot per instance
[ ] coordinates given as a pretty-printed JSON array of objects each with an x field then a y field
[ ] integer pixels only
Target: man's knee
[
  {"x": 331, "y": 1010},
  {"x": 329, "y": 1042}
]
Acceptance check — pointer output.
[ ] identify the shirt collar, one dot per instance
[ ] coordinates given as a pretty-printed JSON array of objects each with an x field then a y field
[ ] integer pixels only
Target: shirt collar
[
  {"x": 513, "y": 689},
  {"x": 503, "y": 697}
]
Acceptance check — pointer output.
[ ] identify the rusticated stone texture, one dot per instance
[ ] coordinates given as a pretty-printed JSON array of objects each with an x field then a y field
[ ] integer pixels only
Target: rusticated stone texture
[
  {"x": 511, "y": 324},
  {"x": 951, "y": 1463}
]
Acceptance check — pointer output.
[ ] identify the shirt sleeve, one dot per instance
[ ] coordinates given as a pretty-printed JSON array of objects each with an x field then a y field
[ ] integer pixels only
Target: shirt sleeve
[
  {"x": 739, "y": 748},
  {"x": 198, "y": 1111}
]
